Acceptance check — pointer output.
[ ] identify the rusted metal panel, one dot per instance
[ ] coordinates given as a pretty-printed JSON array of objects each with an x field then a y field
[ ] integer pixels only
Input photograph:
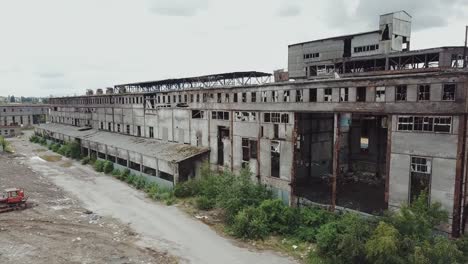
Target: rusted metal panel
[{"x": 458, "y": 193}]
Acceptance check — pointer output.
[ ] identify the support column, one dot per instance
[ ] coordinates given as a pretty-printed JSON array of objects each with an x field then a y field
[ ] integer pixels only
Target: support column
[
  {"x": 292, "y": 195},
  {"x": 388, "y": 159},
  {"x": 336, "y": 157},
  {"x": 458, "y": 193}
]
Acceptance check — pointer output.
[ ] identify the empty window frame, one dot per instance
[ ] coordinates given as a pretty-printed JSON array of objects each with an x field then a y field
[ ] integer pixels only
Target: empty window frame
[
  {"x": 139, "y": 131},
  {"x": 366, "y": 48},
  {"x": 204, "y": 98},
  {"x": 424, "y": 92},
  {"x": 128, "y": 129},
  {"x": 311, "y": 55},
  {"x": 439, "y": 124},
  {"x": 274, "y": 96},
  {"x": 448, "y": 92},
  {"x": 220, "y": 115},
  {"x": 313, "y": 95},
  {"x": 420, "y": 177},
  {"x": 244, "y": 97},
  {"x": 327, "y": 94},
  {"x": 226, "y": 98},
  {"x": 361, "y": 94},
  {"x": 249, "y": 151},
  {"x": 197, "y": 114},
  {"x": 253, "y": 97},
  {"x": 380, "y": 94},
  {"x": 245, "y": 116},
  {"x": 235, "y": 97},
  {"x": 151, "y": 132},
  {"x": 401, "y": 93},
  {"x": 276, "y": 118},
  {"x": 264, "y": 97},
  {"x": 344, "y": 94},
  {"x": 286, "y": 96},
  {"x": 218, "y": 97},
  {"x": 275, "y": 159},
  {"x": 299, "y": 96}
]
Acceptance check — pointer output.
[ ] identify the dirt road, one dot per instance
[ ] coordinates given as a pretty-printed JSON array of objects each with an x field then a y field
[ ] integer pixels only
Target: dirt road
[
  {"x": 59, "y": 229},
  {"x": 157, "y": 226}
]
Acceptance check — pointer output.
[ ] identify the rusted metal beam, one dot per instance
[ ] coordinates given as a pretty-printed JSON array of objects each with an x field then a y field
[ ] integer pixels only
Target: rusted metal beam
[
  {"x": 336, "y": 157},
  {"x": 387, "y": 160},
  {"x": 458, "y": 193}
]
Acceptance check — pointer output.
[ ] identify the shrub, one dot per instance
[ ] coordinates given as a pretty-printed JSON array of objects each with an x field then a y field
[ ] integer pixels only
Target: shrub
[
  {"x": 152, "y": 189},
  {"x": 250, "y": 223},
  {"x": 140, "y": 182},
  {"x": 281, "y": 219},
  {"x": 99, "y": 165},
  {"x": 55, "y": 147},
  {"x": 74, "y": 149},
  {"x": 108, "y": 167},
  {"x": 187, "y": 189},
  {"x": 85, "y": 160},
  {"x": 116, "y": 173},
  {"x": 34, "y": 139},
  {"x": 130, "y": 178},
  {"x": 205, "y": 203},
  {"x": 311, "y": 219},
  {"x": 384, "y": 245},
  {"x": 42, "y": 141},
  {"x": 241, "y": 193},
  {"x": 442, "y": 250},
  {"x": 5, "y": 144},
  {"x": 343, "y": 240}
]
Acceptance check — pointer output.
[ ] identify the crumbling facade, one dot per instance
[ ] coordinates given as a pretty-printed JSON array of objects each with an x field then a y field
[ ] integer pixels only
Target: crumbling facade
[
  {"x": 363, "y": 131},
  {"x": 13, "y": 117}
]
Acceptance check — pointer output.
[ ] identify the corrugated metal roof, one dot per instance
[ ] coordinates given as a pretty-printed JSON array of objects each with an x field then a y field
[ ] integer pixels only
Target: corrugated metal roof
[{"x": 172, "y": 152}]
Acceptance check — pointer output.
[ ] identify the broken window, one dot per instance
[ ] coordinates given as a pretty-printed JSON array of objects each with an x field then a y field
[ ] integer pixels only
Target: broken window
[
  {"x": 440, "y": 124},
  {"x": 191, "y": 98},
  {"x": 139, "y": 131},
  {"x": 286, "y": 96},
  {"x": 166, "y": 176},
  {"x": 235, "y": 97},
  {"x": 249, "y": 151},
  {"x": 198, "y": 98},
  {"x": 244, "y": 97},
  {"x": 299, "y": 97},
  {"x": 275, "y": 159},
  {"x": 109, "y": 126},
  {"x": 205, "y": 98},
  {"x": 275, "y": 117},
  {"x": 264, "y": 97},
  {"x": 364, "y": 139},
  {"x": 361, "y": 94},
  {"x": 424, "y": 92},
  {"x": 380, "y": 94},
  {"x": 386, "y": 33},
  {"x": 400, "y": 93},
  {"x": 118, "y": 128},
  {"x": 253, "y": 97},
  {"x": 102, "y": 123},
  {"x": 226, "y": 98},
  {"x": 197, "y": 114},
  {"x": 266, "y": 117},
  {"x": 128, "y": 129},
  {"x": 220, "y": 115},
  {"x": 344, "y": 95},
  {"x": 274, "y": 96},
  {"x": 313, "y": 95},
  {"x": 420, "y": 180},
  {"x": 327, "y": 95},
  {"x": 285, "y": 118},
  {"x": 218, "y": 97},
  {"x": 449, "y": 92},
  {"x": 151, "y": 132},
  {"x": 245, "y": 116}
]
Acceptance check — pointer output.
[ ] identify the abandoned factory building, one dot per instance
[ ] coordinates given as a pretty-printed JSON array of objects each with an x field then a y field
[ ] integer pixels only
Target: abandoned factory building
[
  {"x": 363, "y": 123},
  {"x": 13, "y": 117}
]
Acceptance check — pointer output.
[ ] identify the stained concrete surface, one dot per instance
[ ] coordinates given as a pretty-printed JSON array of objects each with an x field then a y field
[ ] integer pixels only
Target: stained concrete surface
[{"x": 159, "y": 226}]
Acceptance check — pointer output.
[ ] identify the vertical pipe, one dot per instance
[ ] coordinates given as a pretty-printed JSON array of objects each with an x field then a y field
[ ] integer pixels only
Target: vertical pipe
[{"x": 336, "y": 156}]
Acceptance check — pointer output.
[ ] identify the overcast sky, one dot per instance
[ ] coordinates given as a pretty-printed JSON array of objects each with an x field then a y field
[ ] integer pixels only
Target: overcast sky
[{"x": 63, "y": 47}]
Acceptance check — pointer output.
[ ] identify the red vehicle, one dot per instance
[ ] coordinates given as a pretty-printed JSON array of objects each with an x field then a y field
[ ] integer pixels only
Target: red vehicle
[{"x": 12, "y": 199}]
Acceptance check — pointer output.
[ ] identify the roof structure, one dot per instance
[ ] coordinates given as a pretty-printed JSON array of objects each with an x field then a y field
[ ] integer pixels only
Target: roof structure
[
  {"x": 206, "y": 81},
  {"x": 171, "y": 152}
]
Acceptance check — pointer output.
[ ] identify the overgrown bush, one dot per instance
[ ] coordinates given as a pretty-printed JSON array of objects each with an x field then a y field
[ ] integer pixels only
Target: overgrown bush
[
  {"x": 99, "y": 165},
  {"x": 384, "y": 245},
  {"x": 311, "y": 219},
  {"x": 116, "y": 173},
  {"x": 85, "y": 160},
  {"x": 55, "y": 147},
  {"x": 187, "y": 189},
  {"x": 205, "y": 203},
  {"x": 343, "y": 240},
  {"x": 108, "y": 167},
  {"x": 34, "y": 139},
  {"x": 5, "y": 144},
  {"x": 281, "y": 219},
  {"x": 250, "y": 223}
]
